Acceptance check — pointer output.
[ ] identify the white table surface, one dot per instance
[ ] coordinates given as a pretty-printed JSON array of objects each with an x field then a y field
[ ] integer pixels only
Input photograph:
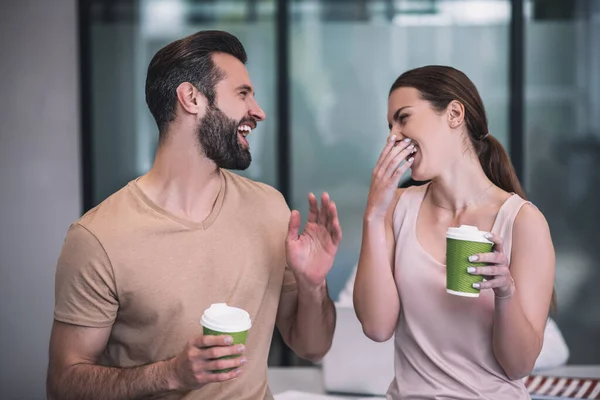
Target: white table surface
[
  {"x": 288, "y": 382},
  {"x": 304, "y": 379}
]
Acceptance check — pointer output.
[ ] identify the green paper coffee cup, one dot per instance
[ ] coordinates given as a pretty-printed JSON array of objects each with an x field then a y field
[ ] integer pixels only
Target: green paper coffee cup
[
  {"x": 221, "y": 319},
  {"x": 461, "y": 243}
]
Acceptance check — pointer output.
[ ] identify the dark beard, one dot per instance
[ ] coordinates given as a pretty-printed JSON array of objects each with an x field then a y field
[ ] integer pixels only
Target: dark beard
[{"x": 218, "y": 136}]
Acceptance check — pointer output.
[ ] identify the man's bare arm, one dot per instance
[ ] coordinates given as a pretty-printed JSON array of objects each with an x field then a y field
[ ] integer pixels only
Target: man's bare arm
[
  {"x": 73, "y": 373},
  {"x": 306, "y": 320}
]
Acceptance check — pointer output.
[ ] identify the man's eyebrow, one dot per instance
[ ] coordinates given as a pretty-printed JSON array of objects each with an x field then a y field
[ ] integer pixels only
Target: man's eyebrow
[{"x": 245, "y": 87}]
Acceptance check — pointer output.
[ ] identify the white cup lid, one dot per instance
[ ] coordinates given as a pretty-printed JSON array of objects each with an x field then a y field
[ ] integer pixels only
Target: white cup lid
[
  {"x": 222, "y": 318},
  {"x": 467, "y": 232}
]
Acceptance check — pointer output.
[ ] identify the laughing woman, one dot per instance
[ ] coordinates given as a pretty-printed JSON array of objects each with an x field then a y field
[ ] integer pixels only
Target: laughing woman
[{"x": 451, "y": 347}]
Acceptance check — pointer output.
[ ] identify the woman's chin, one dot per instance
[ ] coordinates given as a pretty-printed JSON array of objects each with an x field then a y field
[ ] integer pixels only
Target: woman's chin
[{"x": 417, "y": 175}]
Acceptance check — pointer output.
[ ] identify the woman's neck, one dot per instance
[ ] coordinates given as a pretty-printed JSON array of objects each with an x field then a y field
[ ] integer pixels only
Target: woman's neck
[{"x": 462, "y": 185}]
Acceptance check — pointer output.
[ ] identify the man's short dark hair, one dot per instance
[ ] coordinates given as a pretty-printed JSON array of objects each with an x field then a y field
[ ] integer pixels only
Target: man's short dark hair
[{"x": 187, "y": 60}]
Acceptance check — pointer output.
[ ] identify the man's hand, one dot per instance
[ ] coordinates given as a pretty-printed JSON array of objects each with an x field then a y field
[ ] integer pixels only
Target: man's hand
[
  {"x": 310, "y": 255},
  {"x": 194, "y": 365},
  {"x": 73, "y": 373}
]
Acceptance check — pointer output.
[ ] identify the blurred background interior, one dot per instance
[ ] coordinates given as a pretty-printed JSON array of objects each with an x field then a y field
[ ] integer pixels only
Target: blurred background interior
[{"x": 74, "y": 126}]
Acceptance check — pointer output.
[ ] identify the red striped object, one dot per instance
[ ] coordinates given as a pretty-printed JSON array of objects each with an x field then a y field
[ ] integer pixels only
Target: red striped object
[{"x": 567, "y": 388}]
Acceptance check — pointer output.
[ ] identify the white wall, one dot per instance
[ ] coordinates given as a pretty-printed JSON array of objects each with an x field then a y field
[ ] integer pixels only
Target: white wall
[{"x": 39, "y": 179}]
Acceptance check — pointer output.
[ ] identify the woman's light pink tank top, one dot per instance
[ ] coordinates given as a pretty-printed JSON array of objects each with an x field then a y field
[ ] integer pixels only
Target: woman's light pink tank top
[{"x": 443, "y": 342}]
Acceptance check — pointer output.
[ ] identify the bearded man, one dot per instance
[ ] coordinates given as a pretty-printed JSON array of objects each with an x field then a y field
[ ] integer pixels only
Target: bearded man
[{"x": 137, "y": 272}]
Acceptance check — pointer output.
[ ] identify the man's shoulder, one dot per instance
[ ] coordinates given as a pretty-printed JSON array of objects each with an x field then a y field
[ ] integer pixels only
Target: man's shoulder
[
  {"x": 256, "y": 190},
  {"x": 108, "y": 212}
]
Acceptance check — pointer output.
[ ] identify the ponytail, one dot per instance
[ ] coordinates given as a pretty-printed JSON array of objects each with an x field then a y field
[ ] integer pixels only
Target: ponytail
[{"x": 497, "y": 165}]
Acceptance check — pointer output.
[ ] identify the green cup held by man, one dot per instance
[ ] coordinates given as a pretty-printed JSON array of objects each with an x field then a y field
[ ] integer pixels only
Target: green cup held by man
[
  {"x": 221, "y": 319},
  {"x": 461, "y": 243}
]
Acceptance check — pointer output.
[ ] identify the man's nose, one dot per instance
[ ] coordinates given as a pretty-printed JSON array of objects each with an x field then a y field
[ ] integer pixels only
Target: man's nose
[{"x": 256, "y": 112}]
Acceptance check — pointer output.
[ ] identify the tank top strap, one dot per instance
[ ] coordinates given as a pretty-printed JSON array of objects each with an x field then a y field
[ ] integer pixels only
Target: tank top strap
[
  {"x": 505, "y": 220},
  {"x": 407, "y": 208}
]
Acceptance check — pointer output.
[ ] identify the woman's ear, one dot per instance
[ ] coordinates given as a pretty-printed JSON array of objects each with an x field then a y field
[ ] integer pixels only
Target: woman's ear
[
  {"x": 190, "y": 99},
  {"x": 456, "y": 114}
]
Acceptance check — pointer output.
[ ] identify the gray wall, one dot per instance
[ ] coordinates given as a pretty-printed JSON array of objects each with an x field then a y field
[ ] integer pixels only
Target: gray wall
[{"x": 39, "y": 179}]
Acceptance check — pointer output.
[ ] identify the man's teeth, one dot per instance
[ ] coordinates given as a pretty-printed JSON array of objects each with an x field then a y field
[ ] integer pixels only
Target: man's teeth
[{"x": 244, "y": 130}]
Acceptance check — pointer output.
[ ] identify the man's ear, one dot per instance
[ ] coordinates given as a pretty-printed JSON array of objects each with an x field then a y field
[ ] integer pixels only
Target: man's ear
[
  {"x": 190, "y": 99},
  {"x": 456, "y": 113}
]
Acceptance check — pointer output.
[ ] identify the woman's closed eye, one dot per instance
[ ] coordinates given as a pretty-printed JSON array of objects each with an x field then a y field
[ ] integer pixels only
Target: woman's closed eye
[{"x": 400, "y": 119}]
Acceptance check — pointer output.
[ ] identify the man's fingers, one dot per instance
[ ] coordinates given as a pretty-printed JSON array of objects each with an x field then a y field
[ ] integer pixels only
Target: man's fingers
[
  {"x": 333, "y": 224},
  {"x": 324, "y": 211},
  {"x": 223, "y": 376},
  {"x": 336, "y": 231},
  {"x": 294, "y": 225},
  {"x": 224, "y": 363},
  {"x": 313, "y": 208},
  {"x": 217, "y": 352},
  {"x": 205, "y": 341},
  {"x": 331, "y": 211}
]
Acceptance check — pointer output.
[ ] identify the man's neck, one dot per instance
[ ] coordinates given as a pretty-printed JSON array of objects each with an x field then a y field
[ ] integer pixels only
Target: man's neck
[{"x": 182, "y": 181}]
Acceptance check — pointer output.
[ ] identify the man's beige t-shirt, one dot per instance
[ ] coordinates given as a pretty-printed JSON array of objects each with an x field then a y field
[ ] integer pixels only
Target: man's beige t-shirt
[{"x": 149, "y": 274}]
